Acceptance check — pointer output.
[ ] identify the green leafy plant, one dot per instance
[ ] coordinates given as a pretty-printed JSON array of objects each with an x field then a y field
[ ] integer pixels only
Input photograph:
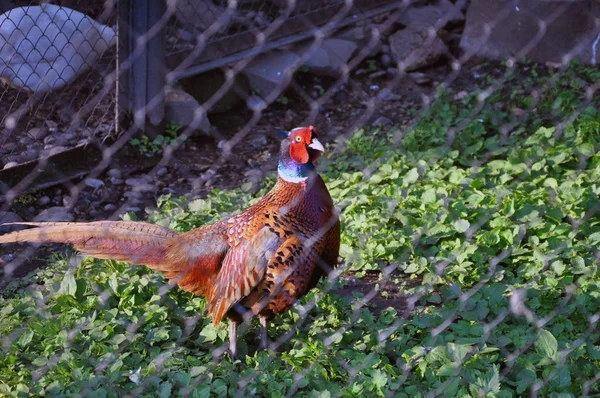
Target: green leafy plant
[
  {"x": 494, "y": 241},
  {"x": 147, "y": 146}
]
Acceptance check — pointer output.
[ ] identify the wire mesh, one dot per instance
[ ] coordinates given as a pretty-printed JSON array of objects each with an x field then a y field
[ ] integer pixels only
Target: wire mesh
[
  {"x": 55, "y": 64},
  {"x": 467, "y": 190}
]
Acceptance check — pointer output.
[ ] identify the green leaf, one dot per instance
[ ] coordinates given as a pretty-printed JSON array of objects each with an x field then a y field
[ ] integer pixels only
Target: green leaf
[
  {"x": 412, "y": 176},
  {"x": 551, "y": 182},
  {"x": 25, "y": 338},
  {"x": 68, "y": 285},
  {"x": 164, "y": 391},
  {"x": 461, "y": 225},
  {"x": 209, "y": 333},
  {"x": 546, "y": 344},
  {"x": 586, "y": 149}
]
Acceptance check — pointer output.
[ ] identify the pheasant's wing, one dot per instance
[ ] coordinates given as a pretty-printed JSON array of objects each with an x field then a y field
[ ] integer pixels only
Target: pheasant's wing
[
  {"x": 295, "y": 267},
  {"x": 253, "y": 243},
  {"x": 194, "y": 258}
]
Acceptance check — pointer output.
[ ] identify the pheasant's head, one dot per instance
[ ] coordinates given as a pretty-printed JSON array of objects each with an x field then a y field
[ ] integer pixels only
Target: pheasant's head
[{"x": 299, "y": 149}]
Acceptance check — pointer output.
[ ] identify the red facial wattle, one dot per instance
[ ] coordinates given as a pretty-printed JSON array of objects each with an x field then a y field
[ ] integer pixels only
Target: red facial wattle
[{"x": 304, "y": 145}]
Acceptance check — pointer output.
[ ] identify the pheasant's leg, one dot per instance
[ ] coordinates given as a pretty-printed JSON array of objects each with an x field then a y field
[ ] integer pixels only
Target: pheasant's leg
[
  {"x": 263, "y": 332},
  {"x": 233, "y": 339}
]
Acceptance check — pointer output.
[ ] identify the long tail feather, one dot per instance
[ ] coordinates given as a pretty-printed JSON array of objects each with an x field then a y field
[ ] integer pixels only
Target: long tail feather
[{"x": 135, "y": 242}]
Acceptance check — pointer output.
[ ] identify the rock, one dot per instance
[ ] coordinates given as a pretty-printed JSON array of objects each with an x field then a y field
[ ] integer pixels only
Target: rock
[
  {"x": 110, "y": 207},
  {"x": 54, "y": 214},
  {"x": 330, "y": 58},
  {"x": 270, "y": 73},
  {"x": 358, "y": 34},
  {"x": 182, "y": 109},
  {"x": 93, "y": 183},
  {"x": 43, "y": 201},
  {"x": 116, "y": 181},
  {"x": 205, "y": 85},
  {"x": 559, "y": 30},
  {"x": 115, "y": 173},
  {"x": 414, "y": 47},
  {"x": 201, "y": 14},
  {"x": 8, "y": 217},
  {"x": 439, "y": 14}
]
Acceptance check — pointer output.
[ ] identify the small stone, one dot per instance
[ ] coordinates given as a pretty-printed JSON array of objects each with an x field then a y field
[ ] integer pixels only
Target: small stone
[
  {"x": 9, "y": 146},
  {"x": 134, "y": 181},
  {"x": 8, "y": 217},
  {"x": 258, "y": 141},
  {"x": 54, "y": 214},
  {"x": 38, "y": 133},
  {"x": 110, "y": 207},
  {"x": 132, "y": 194},
  {"x": 10, "y": 164},
  {"x": 28, "y": 155},
  {"x": 116, "y": 173},
  {"x": 518, "y": 112},
  {"x": 43, "y": 201},
  {"x": 54, "y": 150},
  {"x": 87, "y": 132},
  {"x": 420, "y": 78},
  {"x": 460, "y": 95},
  {"x": 26, "y": 140},
  {"x": 145, "y": 188},
  {"x": 116, "y": 181},
  {"x": 386, "y": 60},
  {"x": 387, "y": 95},
  {"x": 382, "y": 121},
  {"x": 94, "y": 183},
  {"x": 255, "y": 103},
  {"x": 162, "y": 172}
]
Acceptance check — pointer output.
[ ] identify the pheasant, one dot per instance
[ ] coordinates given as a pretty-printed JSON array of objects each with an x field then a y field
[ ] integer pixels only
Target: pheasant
[{"x": 258, "y": 262}]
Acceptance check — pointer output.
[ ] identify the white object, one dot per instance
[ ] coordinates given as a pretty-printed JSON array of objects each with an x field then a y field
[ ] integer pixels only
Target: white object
[{"x": 43, "y": 48}]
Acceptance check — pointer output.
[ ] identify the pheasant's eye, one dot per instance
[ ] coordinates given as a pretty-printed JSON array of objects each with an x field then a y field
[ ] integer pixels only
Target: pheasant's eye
[{"x": 298, "y": 139}]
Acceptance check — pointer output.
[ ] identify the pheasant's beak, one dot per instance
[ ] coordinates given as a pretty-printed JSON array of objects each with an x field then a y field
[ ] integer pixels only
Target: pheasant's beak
[{"x": 316, "y": 145}]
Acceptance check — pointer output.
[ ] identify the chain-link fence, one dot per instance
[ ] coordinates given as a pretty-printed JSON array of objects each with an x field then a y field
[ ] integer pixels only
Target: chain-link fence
[{"x": 461, "y": 155}]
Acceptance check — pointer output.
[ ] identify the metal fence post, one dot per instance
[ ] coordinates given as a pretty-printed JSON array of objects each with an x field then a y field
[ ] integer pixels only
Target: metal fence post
[{"x": 141, "y": 64}]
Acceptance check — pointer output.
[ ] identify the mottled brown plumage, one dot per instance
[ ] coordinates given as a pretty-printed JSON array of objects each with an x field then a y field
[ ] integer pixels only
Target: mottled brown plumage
[{"x": 257, "y": 262}]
